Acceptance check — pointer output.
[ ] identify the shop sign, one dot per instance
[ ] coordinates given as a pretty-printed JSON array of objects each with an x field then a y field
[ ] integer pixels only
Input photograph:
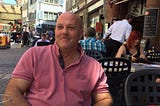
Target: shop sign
[
  {"x": 151, "y": 22},
  {"x": 99, "y": 27},
  {"x": 137, "y": 7}
]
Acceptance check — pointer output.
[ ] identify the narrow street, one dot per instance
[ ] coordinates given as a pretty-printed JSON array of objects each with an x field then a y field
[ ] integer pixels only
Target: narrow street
[{"x": 8, "y": 60}]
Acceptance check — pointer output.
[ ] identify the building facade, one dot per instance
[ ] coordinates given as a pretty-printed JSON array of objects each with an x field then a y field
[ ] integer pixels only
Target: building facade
[
  {"x": 99, "y": 13},
  {"x": 91, "y": 12},
  {"x": 10, "y": 17},
  {"x": 41, "y": 15}
]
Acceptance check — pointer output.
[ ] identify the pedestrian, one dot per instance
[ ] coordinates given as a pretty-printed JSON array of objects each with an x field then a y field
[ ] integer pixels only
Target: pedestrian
[
  {"x": 115, "y": 19},
  {"x": 60, "y": 74},
  {"x": 43, "y": 39},
  {"x": 119, "y": 31},
  {"x": 25, "y": 37}
]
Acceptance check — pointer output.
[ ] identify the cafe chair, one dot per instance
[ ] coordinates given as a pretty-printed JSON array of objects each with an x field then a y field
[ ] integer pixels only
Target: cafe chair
[
  {"x": 94, "y": 53},
  {"x": 117, "y": 70},
  {"x": 43, "y": 43},
  {"x": 153, "y": 56},
  {"x": 141, "y": 88}
]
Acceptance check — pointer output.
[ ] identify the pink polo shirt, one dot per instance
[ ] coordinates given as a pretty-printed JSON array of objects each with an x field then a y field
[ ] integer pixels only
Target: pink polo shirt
[{"x": 54, "y": 86}]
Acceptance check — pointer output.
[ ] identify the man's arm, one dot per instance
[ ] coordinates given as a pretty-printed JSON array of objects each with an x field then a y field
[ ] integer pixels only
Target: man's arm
[
  {"x": 108, "y": 32},
  {"x": 16, "y": 89},
  {"x": 102, "y": 99}
]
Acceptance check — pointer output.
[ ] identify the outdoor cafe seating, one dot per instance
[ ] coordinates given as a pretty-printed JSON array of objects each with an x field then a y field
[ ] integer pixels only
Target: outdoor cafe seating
[
  {"x": 120, "y": 69},
  {"x": 153, "y": 56},
  {"x": 117, "y": 70},
  {"x": 141, "y": 88},
  {"x": 94, "y": 53},
  {"x": 43, "y": 43}
]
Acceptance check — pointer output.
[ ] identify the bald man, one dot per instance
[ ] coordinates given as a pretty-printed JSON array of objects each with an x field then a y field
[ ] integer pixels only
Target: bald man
[{"x": 59, "y": 74}]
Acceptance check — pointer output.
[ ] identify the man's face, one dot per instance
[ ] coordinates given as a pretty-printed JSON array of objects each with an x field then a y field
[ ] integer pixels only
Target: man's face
[
  {"x": 68, "y": 31},
  {"x": 43, "y": 38}
]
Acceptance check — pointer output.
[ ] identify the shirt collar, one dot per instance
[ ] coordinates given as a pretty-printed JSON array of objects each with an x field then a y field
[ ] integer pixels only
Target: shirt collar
[{"x": 79, "y": 49}]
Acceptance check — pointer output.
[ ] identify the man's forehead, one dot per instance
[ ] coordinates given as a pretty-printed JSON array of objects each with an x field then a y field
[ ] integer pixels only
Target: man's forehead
[
  {"x": 68, "y": 14},
  {"x": 68, "y": 21},
  {"x": 69, "y": 18}
]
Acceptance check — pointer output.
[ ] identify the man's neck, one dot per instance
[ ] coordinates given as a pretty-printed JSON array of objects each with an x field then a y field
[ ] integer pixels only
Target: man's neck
[{"x": 70, "y": 56}]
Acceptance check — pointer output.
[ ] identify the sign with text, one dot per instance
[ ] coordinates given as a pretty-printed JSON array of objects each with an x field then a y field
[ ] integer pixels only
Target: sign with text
[
  {"x": 99, "y": 27},
  {"x": 151, "y": 22}
]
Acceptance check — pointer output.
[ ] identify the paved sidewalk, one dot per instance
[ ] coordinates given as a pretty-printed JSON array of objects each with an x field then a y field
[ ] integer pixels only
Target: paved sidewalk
[
  {"x": 8, "y": 60},
  {"x": 4, "y": 77}
]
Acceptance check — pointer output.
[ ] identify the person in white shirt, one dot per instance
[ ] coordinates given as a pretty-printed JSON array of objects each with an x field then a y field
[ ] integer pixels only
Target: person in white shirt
[
  {"x": 119, "y": 31},
  {"x": 43, "y": 39}
]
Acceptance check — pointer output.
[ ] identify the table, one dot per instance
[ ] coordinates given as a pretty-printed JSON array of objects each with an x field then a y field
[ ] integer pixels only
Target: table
[{"x": 139, "y": 66}]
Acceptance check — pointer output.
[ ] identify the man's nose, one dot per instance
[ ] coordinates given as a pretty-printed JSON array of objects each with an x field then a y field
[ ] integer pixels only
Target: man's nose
[{"x": 64, "y": 30}]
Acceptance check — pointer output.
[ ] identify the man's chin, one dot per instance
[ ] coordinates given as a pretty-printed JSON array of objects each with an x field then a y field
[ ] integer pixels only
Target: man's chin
[{"x": 65, "y": 47}]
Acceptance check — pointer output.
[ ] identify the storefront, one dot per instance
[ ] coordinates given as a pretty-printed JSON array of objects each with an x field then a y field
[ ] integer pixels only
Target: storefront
[
  {"x": 146, "y": 14},
  {"x": 95, "y": 16}
]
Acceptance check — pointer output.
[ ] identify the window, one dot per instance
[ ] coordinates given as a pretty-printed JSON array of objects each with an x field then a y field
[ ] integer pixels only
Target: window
[
  {"x": 32, "y": 1},
  {"x": 50, "y": 16},
  {"x": 45, "y": 15},
  {"x": 51, "y": 1},
  {"x": 56, "y": 1}
]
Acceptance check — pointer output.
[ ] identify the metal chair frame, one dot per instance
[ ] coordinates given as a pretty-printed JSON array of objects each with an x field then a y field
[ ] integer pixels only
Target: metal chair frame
[
  {"x": 141, "y": 88},
  {"x": 94, "y": 53},
  {"x": 117, "y": 70}
]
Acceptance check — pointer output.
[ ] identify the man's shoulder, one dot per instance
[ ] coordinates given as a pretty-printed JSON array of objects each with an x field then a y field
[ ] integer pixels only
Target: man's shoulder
[
  {"x": 39, "y": 40},
  {"x": 99, "y": 41},
  {"x": 85, "y": 40}
]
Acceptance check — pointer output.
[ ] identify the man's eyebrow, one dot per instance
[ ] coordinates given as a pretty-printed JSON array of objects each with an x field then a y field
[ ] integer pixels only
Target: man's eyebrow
[
  {"x": 71, "y": 25},
  {"x": 59, "y": 24}
]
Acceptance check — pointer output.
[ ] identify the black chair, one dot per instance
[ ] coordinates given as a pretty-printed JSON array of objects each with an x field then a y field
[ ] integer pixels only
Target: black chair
[
  {"x": 43, "y": 43},
  {"x": 94, "y": 53},
  {"x": 117, "y": 70},
  {"x": 153, "y": 56},
  {"x": 141, "y": 88}
]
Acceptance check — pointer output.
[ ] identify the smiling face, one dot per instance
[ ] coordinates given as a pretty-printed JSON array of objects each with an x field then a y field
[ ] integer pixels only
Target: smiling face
[{"x": 68, "y": 31}]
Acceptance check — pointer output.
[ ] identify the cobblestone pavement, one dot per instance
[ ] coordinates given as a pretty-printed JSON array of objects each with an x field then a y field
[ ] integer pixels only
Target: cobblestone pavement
[{"x": 8, "y": 60}]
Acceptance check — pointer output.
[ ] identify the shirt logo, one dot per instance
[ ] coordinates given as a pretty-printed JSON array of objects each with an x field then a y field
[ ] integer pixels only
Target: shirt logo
[{"x": 82, "y": 77}]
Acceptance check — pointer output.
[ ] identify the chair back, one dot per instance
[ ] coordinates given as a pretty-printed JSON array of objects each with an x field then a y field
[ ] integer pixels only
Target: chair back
[
  {"x": 153, "y": 56},
  {"x": 141, "y": 88},
  {"x": 94, "y": 53},
  {"x": 117, "y": 70},
  {"x": 43, "y": 43}
]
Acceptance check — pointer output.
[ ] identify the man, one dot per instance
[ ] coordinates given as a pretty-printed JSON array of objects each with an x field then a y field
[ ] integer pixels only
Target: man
[
  {"x": 25, "y": 37},
  {"x": 59, "y": 74},
  {"x": 119, "y": 31},
  {"x": 91, "y": 42},
  {"x": 43, "y": 39}
]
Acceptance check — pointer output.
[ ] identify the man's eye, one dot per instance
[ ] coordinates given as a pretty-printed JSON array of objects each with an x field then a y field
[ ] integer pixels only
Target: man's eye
[
  {"x": 71, "y": 28},
  {"x": 59, "y": 27}
]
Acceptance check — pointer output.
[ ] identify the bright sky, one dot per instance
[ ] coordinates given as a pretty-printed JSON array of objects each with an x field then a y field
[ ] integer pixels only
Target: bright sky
[{"x": 9, "y": 1}]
